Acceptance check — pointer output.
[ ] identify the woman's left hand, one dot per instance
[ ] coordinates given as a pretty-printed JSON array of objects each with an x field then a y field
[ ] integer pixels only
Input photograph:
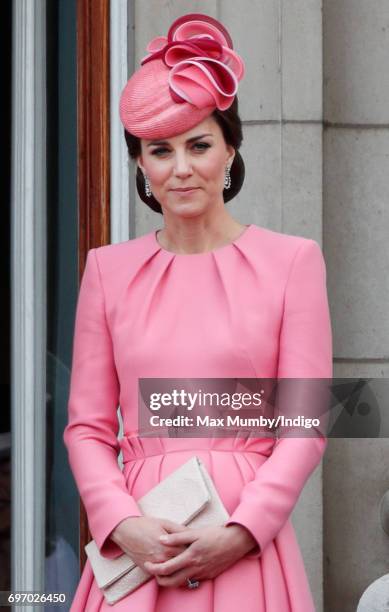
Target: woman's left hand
[{"x": 211, "y": 550}]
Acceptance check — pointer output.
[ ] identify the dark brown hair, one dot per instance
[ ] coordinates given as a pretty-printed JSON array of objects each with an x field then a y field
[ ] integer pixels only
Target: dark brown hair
[{"x": 231, "y": 126}]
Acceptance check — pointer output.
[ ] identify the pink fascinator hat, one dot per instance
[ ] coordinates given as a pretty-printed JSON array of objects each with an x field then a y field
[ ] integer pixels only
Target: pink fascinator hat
[{"x": 183, "y": 79}]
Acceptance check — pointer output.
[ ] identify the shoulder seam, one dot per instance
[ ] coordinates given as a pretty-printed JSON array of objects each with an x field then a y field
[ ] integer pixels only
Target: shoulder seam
[
  {"x": 102, "y": 288},
  {"x": 304, "y": 243}
]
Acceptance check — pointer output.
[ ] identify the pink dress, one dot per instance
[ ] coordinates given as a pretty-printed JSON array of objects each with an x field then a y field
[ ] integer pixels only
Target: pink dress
[{"x": 256, "y": 307}]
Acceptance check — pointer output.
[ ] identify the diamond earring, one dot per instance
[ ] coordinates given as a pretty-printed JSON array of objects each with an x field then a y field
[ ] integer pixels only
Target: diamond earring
[
  {"x": 147, "y": 186},
  {"x": 227, "y": 178}
]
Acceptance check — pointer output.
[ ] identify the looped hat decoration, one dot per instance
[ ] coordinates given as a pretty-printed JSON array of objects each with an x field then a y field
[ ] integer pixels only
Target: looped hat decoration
[{"x": 184, "y": 77}]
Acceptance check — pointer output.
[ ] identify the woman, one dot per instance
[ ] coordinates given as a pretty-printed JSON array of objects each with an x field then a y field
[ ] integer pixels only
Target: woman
[{"x": 204, "y": 297}]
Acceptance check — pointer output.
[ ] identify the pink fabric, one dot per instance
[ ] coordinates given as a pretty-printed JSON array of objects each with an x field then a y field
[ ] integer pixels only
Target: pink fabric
[
  {"x": 254, "y": 308},
  {"x": 183, "y": 79},
  {"x": 148, "y": 114}
]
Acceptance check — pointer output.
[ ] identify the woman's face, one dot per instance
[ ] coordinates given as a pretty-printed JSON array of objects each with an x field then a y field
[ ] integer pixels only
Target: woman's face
[{"x": 197, "y": 159}]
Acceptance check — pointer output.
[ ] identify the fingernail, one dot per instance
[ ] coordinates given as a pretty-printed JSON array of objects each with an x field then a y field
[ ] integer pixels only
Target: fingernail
[{"x": 164, "y": 538}]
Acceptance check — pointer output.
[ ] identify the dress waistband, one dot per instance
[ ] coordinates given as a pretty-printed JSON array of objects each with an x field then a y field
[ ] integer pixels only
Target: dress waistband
[{"x": 136, "y": 448}]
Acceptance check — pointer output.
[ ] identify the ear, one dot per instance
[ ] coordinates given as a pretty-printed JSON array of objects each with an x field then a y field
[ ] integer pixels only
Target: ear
[
  {"x": 139, "y": 161},
  {"x": 231, "y": 156}
]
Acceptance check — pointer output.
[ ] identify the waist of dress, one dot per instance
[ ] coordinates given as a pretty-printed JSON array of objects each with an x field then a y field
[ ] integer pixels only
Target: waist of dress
[{"x": 135, "y": 448}]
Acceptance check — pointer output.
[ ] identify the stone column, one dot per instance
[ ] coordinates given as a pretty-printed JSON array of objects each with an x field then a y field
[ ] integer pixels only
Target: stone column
[{"x": 356, "y": 223}]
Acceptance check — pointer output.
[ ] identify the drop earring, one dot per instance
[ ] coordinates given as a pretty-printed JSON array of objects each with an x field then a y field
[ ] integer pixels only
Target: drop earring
[
  {"x": 147, "y": 186},
  {"x": 227, "y": 178}
]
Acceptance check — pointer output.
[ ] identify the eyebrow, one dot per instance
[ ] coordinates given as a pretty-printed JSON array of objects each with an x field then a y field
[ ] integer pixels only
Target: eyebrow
[{"x": 164, "y": 142}]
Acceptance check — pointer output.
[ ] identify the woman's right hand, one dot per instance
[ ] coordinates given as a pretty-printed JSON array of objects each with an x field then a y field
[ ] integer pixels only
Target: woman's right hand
[{"x": 138, "y": 536}]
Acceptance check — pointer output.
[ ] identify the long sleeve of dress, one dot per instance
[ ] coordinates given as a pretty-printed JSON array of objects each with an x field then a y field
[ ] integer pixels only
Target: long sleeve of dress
[
  {"x": 305, "y": 351},
  {"x": 91, "y": 433}
]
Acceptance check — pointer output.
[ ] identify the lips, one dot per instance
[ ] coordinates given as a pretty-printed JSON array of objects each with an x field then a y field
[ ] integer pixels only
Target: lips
[{"x": 185, "y": 189}]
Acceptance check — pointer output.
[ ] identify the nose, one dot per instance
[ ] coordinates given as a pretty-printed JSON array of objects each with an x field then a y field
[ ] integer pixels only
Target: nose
[{"x": 182, "y": 165}]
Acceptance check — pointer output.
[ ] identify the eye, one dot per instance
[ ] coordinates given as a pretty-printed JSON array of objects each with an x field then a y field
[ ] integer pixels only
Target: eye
[
  {"x": 157, "y": 151},
  {"x": 202, "y": 145}
]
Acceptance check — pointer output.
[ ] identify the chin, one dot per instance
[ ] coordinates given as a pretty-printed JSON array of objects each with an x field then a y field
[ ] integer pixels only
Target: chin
[{"x": 187, "y": 209}]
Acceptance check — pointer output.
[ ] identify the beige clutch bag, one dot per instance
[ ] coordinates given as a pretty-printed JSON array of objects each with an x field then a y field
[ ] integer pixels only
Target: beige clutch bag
[{"x": 187, "y": 496}]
